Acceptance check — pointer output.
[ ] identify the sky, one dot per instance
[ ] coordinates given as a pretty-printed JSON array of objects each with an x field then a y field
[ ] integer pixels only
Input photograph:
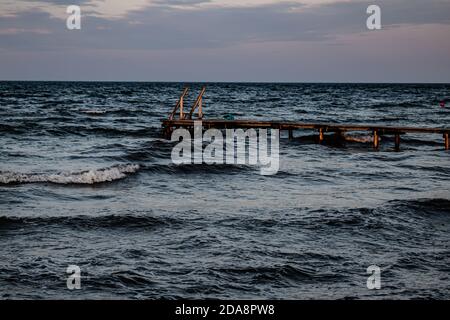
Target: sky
[{"x": 226, "y": 40}]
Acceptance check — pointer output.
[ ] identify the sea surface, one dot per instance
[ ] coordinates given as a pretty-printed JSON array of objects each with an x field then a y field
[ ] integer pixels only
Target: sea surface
[{"x": 86, "y": 179}]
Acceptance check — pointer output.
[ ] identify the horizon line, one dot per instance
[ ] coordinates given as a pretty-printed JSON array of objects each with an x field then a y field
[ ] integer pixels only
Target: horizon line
[{"x": 232, "y": 82}]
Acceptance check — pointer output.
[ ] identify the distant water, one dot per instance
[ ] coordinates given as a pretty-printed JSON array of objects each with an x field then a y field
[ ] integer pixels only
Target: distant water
[{"x": 86, "y": 179}]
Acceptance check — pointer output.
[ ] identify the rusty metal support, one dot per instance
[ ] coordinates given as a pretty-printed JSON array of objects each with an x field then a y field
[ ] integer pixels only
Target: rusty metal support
[
  {"x": 320, "y": 135},
  {"x": 198, "y": 103},
  {"x": 179, "y": 105},
  {"x": 375, "y": 139}
]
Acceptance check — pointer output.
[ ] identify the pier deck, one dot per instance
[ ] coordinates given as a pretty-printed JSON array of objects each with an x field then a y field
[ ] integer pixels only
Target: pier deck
[
  {"x": 185, "y": 120},
  {"x": 290, "y": 125}
]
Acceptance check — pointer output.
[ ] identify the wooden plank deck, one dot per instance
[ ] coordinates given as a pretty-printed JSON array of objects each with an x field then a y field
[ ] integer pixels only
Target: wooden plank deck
[
  {"x": 291, "y": 125},
  {"x": 186, "y": 121}
]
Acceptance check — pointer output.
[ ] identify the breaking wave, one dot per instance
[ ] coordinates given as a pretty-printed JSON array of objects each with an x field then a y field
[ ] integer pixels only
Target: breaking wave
[{"x": 84, "y": 177}]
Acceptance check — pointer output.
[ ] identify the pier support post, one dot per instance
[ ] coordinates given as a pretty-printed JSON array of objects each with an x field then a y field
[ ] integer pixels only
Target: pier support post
[
  {"x": 167, "y": 132},
  {"x": 375, "y": 139},
  {"x": 291, "y": 134},
  {"x": 181, "y": 108},
  {"x": 446, "y": 142},
  {"x": 320, "y": 135},
  {"x": 397, "y": 142},
  {"x": 200, "y": 111}
]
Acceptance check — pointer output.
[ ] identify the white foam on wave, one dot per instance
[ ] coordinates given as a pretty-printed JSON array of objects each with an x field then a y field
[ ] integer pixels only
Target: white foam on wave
[
  {"x": 361, "y": 138},
  {"x": 83, "y": 177}
]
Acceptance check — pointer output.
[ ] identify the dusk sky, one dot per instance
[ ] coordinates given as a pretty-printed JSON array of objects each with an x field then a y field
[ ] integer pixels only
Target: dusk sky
[{"x": 226, "y": 40}]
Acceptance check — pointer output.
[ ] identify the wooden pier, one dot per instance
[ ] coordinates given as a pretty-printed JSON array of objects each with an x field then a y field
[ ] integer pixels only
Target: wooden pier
[{"x": 186, "y": 120}]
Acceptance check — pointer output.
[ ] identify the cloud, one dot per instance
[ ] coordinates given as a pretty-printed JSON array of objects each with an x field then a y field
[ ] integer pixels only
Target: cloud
[
  {"x": 12, "y": 31},
  {"x": 170, "y": 3},
  {"x": 169, "y": 28},
  {"x": 202, "y": 30},
  {"x": 108, "y": 9}
]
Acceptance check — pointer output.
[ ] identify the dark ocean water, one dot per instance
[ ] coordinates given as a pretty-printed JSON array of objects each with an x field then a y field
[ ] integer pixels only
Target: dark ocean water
[{"x": 86, "y": 179}]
